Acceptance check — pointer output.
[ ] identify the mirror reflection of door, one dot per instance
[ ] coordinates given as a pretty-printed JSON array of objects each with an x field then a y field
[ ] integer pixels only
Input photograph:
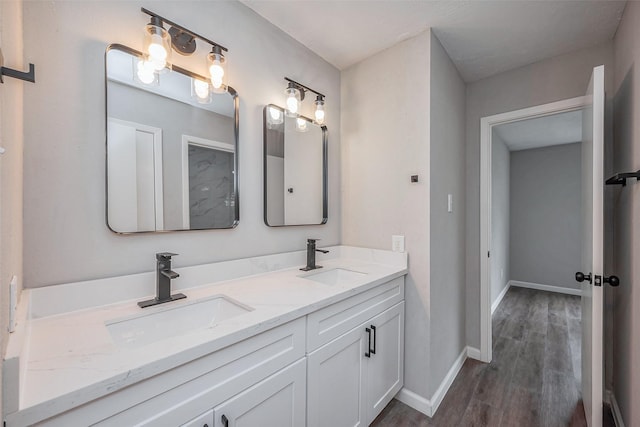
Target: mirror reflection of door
[
  {"x": 135, "y": 172},
  {"x": 208, "y": 184}
]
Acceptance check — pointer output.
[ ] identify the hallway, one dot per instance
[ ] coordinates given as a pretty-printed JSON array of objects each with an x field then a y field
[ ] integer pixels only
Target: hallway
[{"x": 533, "y": 379}]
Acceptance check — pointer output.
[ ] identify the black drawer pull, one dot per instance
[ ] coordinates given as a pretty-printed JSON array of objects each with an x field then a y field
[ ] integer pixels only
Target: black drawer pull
[
  {"x": 368, "y": 353},
  {"x": 225, "y": 420},
  {"x": 373, "y": 328}
]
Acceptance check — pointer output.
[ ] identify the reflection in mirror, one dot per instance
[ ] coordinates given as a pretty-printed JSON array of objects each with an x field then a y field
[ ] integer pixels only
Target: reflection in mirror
[
  {"x": 171, "y": 149},
  {"x": 295, "y": 170}
]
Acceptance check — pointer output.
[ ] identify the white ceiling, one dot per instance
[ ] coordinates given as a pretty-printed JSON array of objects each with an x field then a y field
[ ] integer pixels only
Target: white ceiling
[
  {"x": 563, "y": 128},
  {"x": 482, "y": 37}
]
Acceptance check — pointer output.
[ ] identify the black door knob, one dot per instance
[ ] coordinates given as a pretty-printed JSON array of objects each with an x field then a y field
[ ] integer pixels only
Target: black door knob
[
  {"x": 581, "y": 277},
  {"x": 612, "y": 280}
]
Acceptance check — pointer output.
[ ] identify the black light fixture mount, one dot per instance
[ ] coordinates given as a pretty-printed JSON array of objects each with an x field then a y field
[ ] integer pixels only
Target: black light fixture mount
[
  {"x": 294, "y": 86},
  {"x": 183, "y": 40}
]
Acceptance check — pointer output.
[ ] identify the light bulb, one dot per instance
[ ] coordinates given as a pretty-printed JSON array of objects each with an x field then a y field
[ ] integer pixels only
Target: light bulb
[
  {"x": 275, "y": 115},
  {"x": 201, "y": 89},
  {"x": 157, "y": 44},
  {"x": 301, "y": 125},
  {"x": 217, "y": 65},
  {"x": 145, "y": 72},
  {"x": 293, "y": 101},
  {"x": 319, "y": 113}
]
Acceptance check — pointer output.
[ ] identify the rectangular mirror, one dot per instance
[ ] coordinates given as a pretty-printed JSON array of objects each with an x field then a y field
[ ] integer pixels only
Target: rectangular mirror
[
  {"x": 172, "y": 149},
  {"x": 295, "y": 170}
]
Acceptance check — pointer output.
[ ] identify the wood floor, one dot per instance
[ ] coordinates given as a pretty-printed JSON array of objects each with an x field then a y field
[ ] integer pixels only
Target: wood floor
[{"x": 533, "y": 379}]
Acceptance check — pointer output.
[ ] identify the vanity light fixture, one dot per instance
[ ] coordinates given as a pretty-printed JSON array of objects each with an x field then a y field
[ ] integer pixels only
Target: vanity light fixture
[
  {"x": 200, "y": 90},
  {"x": 295, "y": 95},
  {"x": 159, "y": 44},
  {"x": 275, "y": 116}
]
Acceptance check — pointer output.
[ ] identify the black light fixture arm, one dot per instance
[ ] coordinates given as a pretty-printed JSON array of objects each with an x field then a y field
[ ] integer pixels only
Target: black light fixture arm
[
  {"x": 303, "y": 88},
  {"x": 29, "y": 76},
  {"x": 183, "y": 29}
]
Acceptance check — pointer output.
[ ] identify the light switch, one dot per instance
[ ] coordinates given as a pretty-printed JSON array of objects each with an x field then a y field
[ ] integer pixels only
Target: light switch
[
  {"x": 449, "y": 203},
  {"x": 397, "y": 243}
]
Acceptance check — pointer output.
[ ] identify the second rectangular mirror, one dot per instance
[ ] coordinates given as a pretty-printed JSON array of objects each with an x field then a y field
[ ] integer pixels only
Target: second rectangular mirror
[{"x": 295, "y": 170}]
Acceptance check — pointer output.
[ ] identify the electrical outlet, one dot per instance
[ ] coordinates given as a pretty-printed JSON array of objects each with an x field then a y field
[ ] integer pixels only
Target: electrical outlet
[
  {"x": 502, "y": 273},
  {"x": 449, "y": 203},
  {"x": 397, "y": 243}
]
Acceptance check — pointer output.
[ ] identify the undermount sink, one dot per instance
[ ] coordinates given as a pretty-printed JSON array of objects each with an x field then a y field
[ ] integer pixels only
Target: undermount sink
[
  {"x": 165, "y": 322},
  {"x": 336, "y": 276}
]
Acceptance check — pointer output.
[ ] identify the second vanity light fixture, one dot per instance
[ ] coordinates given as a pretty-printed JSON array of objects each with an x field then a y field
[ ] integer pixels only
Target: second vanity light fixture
[
  {"x": 159, "y": 44},
  {"x": 295, "y": 93}
]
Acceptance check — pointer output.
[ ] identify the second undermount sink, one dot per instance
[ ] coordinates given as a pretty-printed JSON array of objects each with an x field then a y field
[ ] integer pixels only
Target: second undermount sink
[
  {"x": 336, "y": 276},
  {"x": 173, "y": 320}
]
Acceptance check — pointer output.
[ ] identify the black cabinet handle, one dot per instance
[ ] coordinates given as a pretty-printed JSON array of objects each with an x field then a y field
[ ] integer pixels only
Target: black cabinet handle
[
  {"x": 612, "y": 280},
  {"x": 373, "y": 328},
  {"x": 581, "y": 277},
  {"x": 225, "y": 420},
  {"x": 368, "y": 353}
]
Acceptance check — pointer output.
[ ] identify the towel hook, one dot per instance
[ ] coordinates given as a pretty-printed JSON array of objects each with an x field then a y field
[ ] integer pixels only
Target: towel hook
[{"x": 29, "y": 76}]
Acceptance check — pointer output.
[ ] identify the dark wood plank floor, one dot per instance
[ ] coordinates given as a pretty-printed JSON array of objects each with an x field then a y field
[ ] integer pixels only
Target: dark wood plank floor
[{"x": 533, "y": 379}]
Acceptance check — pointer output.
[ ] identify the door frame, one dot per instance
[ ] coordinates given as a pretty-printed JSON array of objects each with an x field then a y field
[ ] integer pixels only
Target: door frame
[{"x": 486, "y": 127}]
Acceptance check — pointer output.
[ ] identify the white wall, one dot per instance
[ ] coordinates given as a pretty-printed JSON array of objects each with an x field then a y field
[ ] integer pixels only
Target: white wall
[
  {"x": 447, "y": 239},
  {"x": 500, "y": 218},
  {"x": 554, "y": 79},
  {"x": 626, "y": 209},
  {"x": 546, "y": 215},
  {"x": 11, "y": 138},
  {"x": 65, "y": 236},
  {"x": 385, "y": 140}
]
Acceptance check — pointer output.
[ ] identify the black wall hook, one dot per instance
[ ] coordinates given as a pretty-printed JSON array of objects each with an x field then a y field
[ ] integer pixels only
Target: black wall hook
[
  {"x": 29, "y": 76},
  {"x": 621, "y": 178}
]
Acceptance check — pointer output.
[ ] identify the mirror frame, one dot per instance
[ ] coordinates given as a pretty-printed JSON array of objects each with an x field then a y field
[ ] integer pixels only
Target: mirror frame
[
  {"x": 325, "y": 180},
  {"x": 234, "y": 95}
]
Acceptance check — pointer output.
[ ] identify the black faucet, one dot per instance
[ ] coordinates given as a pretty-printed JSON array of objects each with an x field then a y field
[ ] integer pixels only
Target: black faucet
[
  {"x": 311, "y": 255},
  {"x": 163, "y": 281}
]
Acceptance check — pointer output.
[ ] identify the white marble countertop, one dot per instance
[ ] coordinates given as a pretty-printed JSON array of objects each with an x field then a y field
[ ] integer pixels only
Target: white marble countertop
[{"x": 69, "y": 358}]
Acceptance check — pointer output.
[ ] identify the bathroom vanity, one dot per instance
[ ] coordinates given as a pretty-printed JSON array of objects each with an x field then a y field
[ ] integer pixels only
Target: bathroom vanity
[{"x": 257, "y": 342}]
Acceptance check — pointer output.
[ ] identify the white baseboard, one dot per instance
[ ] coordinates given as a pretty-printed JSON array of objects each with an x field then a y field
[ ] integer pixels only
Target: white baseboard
[
  {"x": 617, "y": 415},
  {"x": 498, "y": 300},
  {"x": 414, "y": 400},
  {"x": 548, "y": 288},
  {"x": 430, "y": 406},
  {"x": 474, "y": 353}
]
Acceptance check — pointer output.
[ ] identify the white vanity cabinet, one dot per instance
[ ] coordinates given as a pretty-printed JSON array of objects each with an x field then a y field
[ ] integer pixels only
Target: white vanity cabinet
[
  {"x": 204, "y": 420},
  {"x": 354, "y": 376},
  {"x": 278, "y": 401}
]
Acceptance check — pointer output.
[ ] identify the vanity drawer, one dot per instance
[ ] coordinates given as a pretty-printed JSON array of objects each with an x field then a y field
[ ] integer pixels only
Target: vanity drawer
[
  {"x": 333, "y": 321},
  {"x": 178, "y": 395}
]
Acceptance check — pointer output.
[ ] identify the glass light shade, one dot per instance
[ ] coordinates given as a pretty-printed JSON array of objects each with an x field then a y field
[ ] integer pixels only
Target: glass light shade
[
  {"x": 157, "y": 46},
  {"x": 301, "y": 125},
  {"x": 217, "y": 65},
  {"x": 201, "y": 91},
  {"x": 319, "y": 113},
  {"x": 292, "y": 102},
  {"x": 275, "y": 116}
]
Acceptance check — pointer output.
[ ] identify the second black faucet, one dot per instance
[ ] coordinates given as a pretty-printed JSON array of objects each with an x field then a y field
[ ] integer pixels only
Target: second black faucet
[{"x": 311, "y": 255}]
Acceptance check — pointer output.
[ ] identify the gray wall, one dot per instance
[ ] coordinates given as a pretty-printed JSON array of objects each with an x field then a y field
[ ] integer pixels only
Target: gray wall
[
  {"x": 65, "y": 236},
  {"x": 11, "y": 176},
  {"x": 447, "y": 229},
  {"x": 546, "y": 215},
  {"x": 554, "y": 79},
  {"x": 385, "y": 140},
  {"x": 626, "y": 211},
  {"x": 500, "y": 217}
]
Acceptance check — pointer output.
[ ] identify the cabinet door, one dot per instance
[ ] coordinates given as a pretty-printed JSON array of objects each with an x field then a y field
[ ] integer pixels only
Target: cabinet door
[
  {"x": 336, "y": 382},
  {"x": 385, "y": 368},
  {"x": 278, "y": 401},
  {"x": 204, "y": 420}
]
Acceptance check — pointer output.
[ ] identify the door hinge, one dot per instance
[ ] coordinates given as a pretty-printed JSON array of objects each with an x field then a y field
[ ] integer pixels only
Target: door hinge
[{"x": 597, "y": 280}]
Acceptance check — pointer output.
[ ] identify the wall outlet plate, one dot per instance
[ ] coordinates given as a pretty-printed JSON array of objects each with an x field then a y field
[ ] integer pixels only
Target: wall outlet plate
[{"x": 397, "y": 243}]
